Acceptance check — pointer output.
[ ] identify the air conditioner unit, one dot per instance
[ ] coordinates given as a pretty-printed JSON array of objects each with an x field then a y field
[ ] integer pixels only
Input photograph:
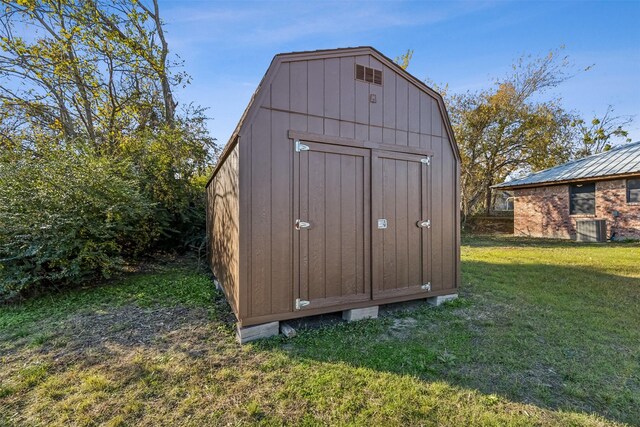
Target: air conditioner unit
[{"x": 591, "y": 230}]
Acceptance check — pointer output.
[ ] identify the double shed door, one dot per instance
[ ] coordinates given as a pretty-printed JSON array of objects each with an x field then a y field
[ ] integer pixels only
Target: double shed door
[{"x": 361, "y": 225}]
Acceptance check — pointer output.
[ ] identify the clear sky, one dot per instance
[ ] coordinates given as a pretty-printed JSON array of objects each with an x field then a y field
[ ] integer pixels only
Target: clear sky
[{"x": 227, "y": 46}]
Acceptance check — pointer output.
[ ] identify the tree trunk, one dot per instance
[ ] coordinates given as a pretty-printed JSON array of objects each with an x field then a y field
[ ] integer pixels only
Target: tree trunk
[
  {"x": 488, "y": 198},
  {"x": 169, "y": 103}
]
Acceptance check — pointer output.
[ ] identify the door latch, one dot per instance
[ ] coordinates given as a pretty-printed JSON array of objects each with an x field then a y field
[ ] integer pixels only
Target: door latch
[
  {"x": 424, "y": 224},
  {"x": 382, "y": 223},
  {"x": 426, "y": 287},
  {"x": 301, "y": 303},
  {"x": 301, "y": 224}
]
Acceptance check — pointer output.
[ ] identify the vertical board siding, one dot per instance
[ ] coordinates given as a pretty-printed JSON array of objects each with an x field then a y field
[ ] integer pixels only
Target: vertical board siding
[
  {"x": 448, "y": 217},
  {"x": 376, "y": 110},
  {"x": 389, "y": 235},
  {"x": 250, "y": 218},
  {"x": 347, "y": 89},
  {"x": 389, "y": 98},
  {"x": 403, "y": 231},
  {"x": 315, "y": 87},
  {"x": 402, "y": 104},
  {"x": 281, "y": 230},
  {"x": 331, "y": 198},
  {"x": 317, "y": 252},
  {"x": 425, "y": 114},
  {"x": 437, "y": 188},
  {"x": 260, "y": 289},
  {"x": 299, "y": 89},
  {"x": 362, "y": 95},
  {"x": 414, "y": 109},
  {"x": 414, "y": 213},
  {"x": 280, "y": 95},
  {"x": 332, "y": 88},
  {"x": 223, "y": 227}
]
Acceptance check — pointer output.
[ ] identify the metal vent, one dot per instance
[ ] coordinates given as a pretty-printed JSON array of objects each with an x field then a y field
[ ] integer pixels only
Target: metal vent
[
  {"x": 368, "y": 74},
  {"x": 591, "y": 230}
]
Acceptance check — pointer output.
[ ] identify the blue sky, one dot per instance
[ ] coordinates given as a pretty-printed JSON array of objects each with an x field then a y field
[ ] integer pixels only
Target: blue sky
[{"x": 227, "y": 46}]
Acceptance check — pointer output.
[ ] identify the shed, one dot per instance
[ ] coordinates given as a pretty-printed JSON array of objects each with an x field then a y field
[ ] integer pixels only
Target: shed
[{"x": 337, "y": 191}]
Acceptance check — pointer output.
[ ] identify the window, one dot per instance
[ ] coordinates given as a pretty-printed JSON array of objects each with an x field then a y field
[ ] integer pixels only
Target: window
[
  {"x": 633, "y": 190},
  {"x": 367, "y": 74},
  {"x": 582, "y": 199}
]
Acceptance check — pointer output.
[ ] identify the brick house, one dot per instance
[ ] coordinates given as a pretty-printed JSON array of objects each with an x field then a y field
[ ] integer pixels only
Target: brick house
[{"x": 603, "y": 186}]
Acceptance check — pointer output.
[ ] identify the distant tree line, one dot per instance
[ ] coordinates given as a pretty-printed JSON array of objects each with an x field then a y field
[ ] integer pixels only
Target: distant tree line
[{"x": 98, "y": 160}]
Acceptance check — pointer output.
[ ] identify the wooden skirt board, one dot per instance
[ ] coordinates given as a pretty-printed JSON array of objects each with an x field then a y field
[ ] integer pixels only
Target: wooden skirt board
[
  {"x": 339, "y": 194},
  {"x": 332, "y": 196}
]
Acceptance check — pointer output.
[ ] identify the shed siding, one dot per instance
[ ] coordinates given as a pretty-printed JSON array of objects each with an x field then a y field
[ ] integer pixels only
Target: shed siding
[
  {"x": 223, "y": 227},
  {"x": 321, "y": 96}
]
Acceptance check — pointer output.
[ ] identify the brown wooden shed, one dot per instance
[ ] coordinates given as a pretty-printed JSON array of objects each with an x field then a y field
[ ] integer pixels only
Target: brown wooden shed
[{"x": 338, "y": 190}]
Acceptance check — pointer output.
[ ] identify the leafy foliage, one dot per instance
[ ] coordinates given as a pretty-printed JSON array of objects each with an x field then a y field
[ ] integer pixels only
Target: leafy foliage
[
  {"x": 505, "y": 129},
  {"x": 94, "y": 108},
  {"x": 596, "y": 136},
  {"x": 67, "y": 214}
]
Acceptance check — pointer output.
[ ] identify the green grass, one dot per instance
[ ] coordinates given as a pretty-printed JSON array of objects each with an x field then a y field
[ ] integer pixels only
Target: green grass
[{"x": 545, "y": 333}]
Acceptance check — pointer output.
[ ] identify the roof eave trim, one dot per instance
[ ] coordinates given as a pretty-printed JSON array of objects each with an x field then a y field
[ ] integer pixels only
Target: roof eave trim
[{"x": 566, "y": 181}]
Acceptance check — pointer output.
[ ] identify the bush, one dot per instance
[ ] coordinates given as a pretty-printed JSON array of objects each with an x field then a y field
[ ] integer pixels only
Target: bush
[
  {"x": 68, "y": 214},
  {"x": 173, "y": 165}
]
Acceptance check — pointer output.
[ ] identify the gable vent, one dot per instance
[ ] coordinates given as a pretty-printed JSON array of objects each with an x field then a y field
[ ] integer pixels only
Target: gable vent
[{"x": 367, "y": 74}]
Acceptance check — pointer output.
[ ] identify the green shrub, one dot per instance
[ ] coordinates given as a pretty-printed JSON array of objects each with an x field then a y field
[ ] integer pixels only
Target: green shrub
[
  {"x": 173, "y": 164},
  {"x": 67, "y": 214}
]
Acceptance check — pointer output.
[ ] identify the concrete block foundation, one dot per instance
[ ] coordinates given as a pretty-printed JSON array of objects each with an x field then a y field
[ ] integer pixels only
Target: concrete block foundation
[
  {"x": 256, "y": 332},
  {"x": 441, "y": 299},
  {"x": 360, "y": 314}
]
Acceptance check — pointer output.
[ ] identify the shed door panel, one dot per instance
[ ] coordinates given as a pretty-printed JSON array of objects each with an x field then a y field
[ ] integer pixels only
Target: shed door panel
[
  {"x": 332, "y": 195},
  {"x": 401, "y": 251}
]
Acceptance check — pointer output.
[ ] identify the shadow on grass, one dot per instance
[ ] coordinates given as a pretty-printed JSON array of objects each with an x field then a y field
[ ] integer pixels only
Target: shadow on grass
[
  {"x": 506, "y": 240},
  {"x": 558, "y": 337}
]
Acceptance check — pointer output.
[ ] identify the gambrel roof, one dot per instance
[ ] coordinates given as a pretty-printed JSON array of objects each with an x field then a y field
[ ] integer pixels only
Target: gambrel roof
[{"x": 328, "y": 53}]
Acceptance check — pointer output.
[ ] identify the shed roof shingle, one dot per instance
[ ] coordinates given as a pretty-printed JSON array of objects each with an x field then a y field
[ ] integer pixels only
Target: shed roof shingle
[{"x": 621, "y": 160}]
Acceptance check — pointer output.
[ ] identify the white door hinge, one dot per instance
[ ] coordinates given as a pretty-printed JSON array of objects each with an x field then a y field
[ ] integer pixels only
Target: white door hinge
[
  {"x": 299, "y": 225},
  {"x": 300, "y": 146},
  {"x": 424, "y": 224},
  {"x": 426, "y": 161},
  {"x": 426, "y": 287},
  {"x": 301, "y": 303}
]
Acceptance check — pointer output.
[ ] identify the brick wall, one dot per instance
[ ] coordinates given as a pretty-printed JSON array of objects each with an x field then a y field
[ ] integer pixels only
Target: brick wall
[{"x": 544, "y": 211}]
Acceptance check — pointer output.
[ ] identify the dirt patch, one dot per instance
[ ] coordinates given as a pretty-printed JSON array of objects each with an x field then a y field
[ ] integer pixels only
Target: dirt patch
[
  {"x": 89, "y": 338},
  {"x": 402, "y": 328}
]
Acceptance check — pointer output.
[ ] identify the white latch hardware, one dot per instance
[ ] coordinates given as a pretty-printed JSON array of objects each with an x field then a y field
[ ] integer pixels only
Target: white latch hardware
[
  {"x": 301, "y": 224},
  {"x": 424, "y": 224},
  {"x": 301, "y": 303},
  {"x": 382, "y": 223},
  {"x": 426, "y": 161},
  {"x": 426, "y": 287},
  {"x": 300, "y": 146}
]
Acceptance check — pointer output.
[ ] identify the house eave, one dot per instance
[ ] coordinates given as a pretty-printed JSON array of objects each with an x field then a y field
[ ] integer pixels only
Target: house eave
[{"x": 567, "y": 181}]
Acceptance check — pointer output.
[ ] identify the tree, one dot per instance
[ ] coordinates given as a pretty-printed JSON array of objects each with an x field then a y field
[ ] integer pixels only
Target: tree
[
  {"x": 597, "y": 136},
  {"x": 503, "y": 130},
  {"x": 90, "y": 68},
  {"x": 404, "y": 59},
  {"x": 88, "y": 117}
]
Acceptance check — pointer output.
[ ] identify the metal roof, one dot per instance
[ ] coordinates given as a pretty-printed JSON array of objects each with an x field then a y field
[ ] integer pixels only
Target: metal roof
[{"x": 621, "y": 160}]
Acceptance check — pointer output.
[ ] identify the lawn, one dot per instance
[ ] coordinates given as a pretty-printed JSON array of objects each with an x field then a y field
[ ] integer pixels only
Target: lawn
[{"x": 545, "y": 333}]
